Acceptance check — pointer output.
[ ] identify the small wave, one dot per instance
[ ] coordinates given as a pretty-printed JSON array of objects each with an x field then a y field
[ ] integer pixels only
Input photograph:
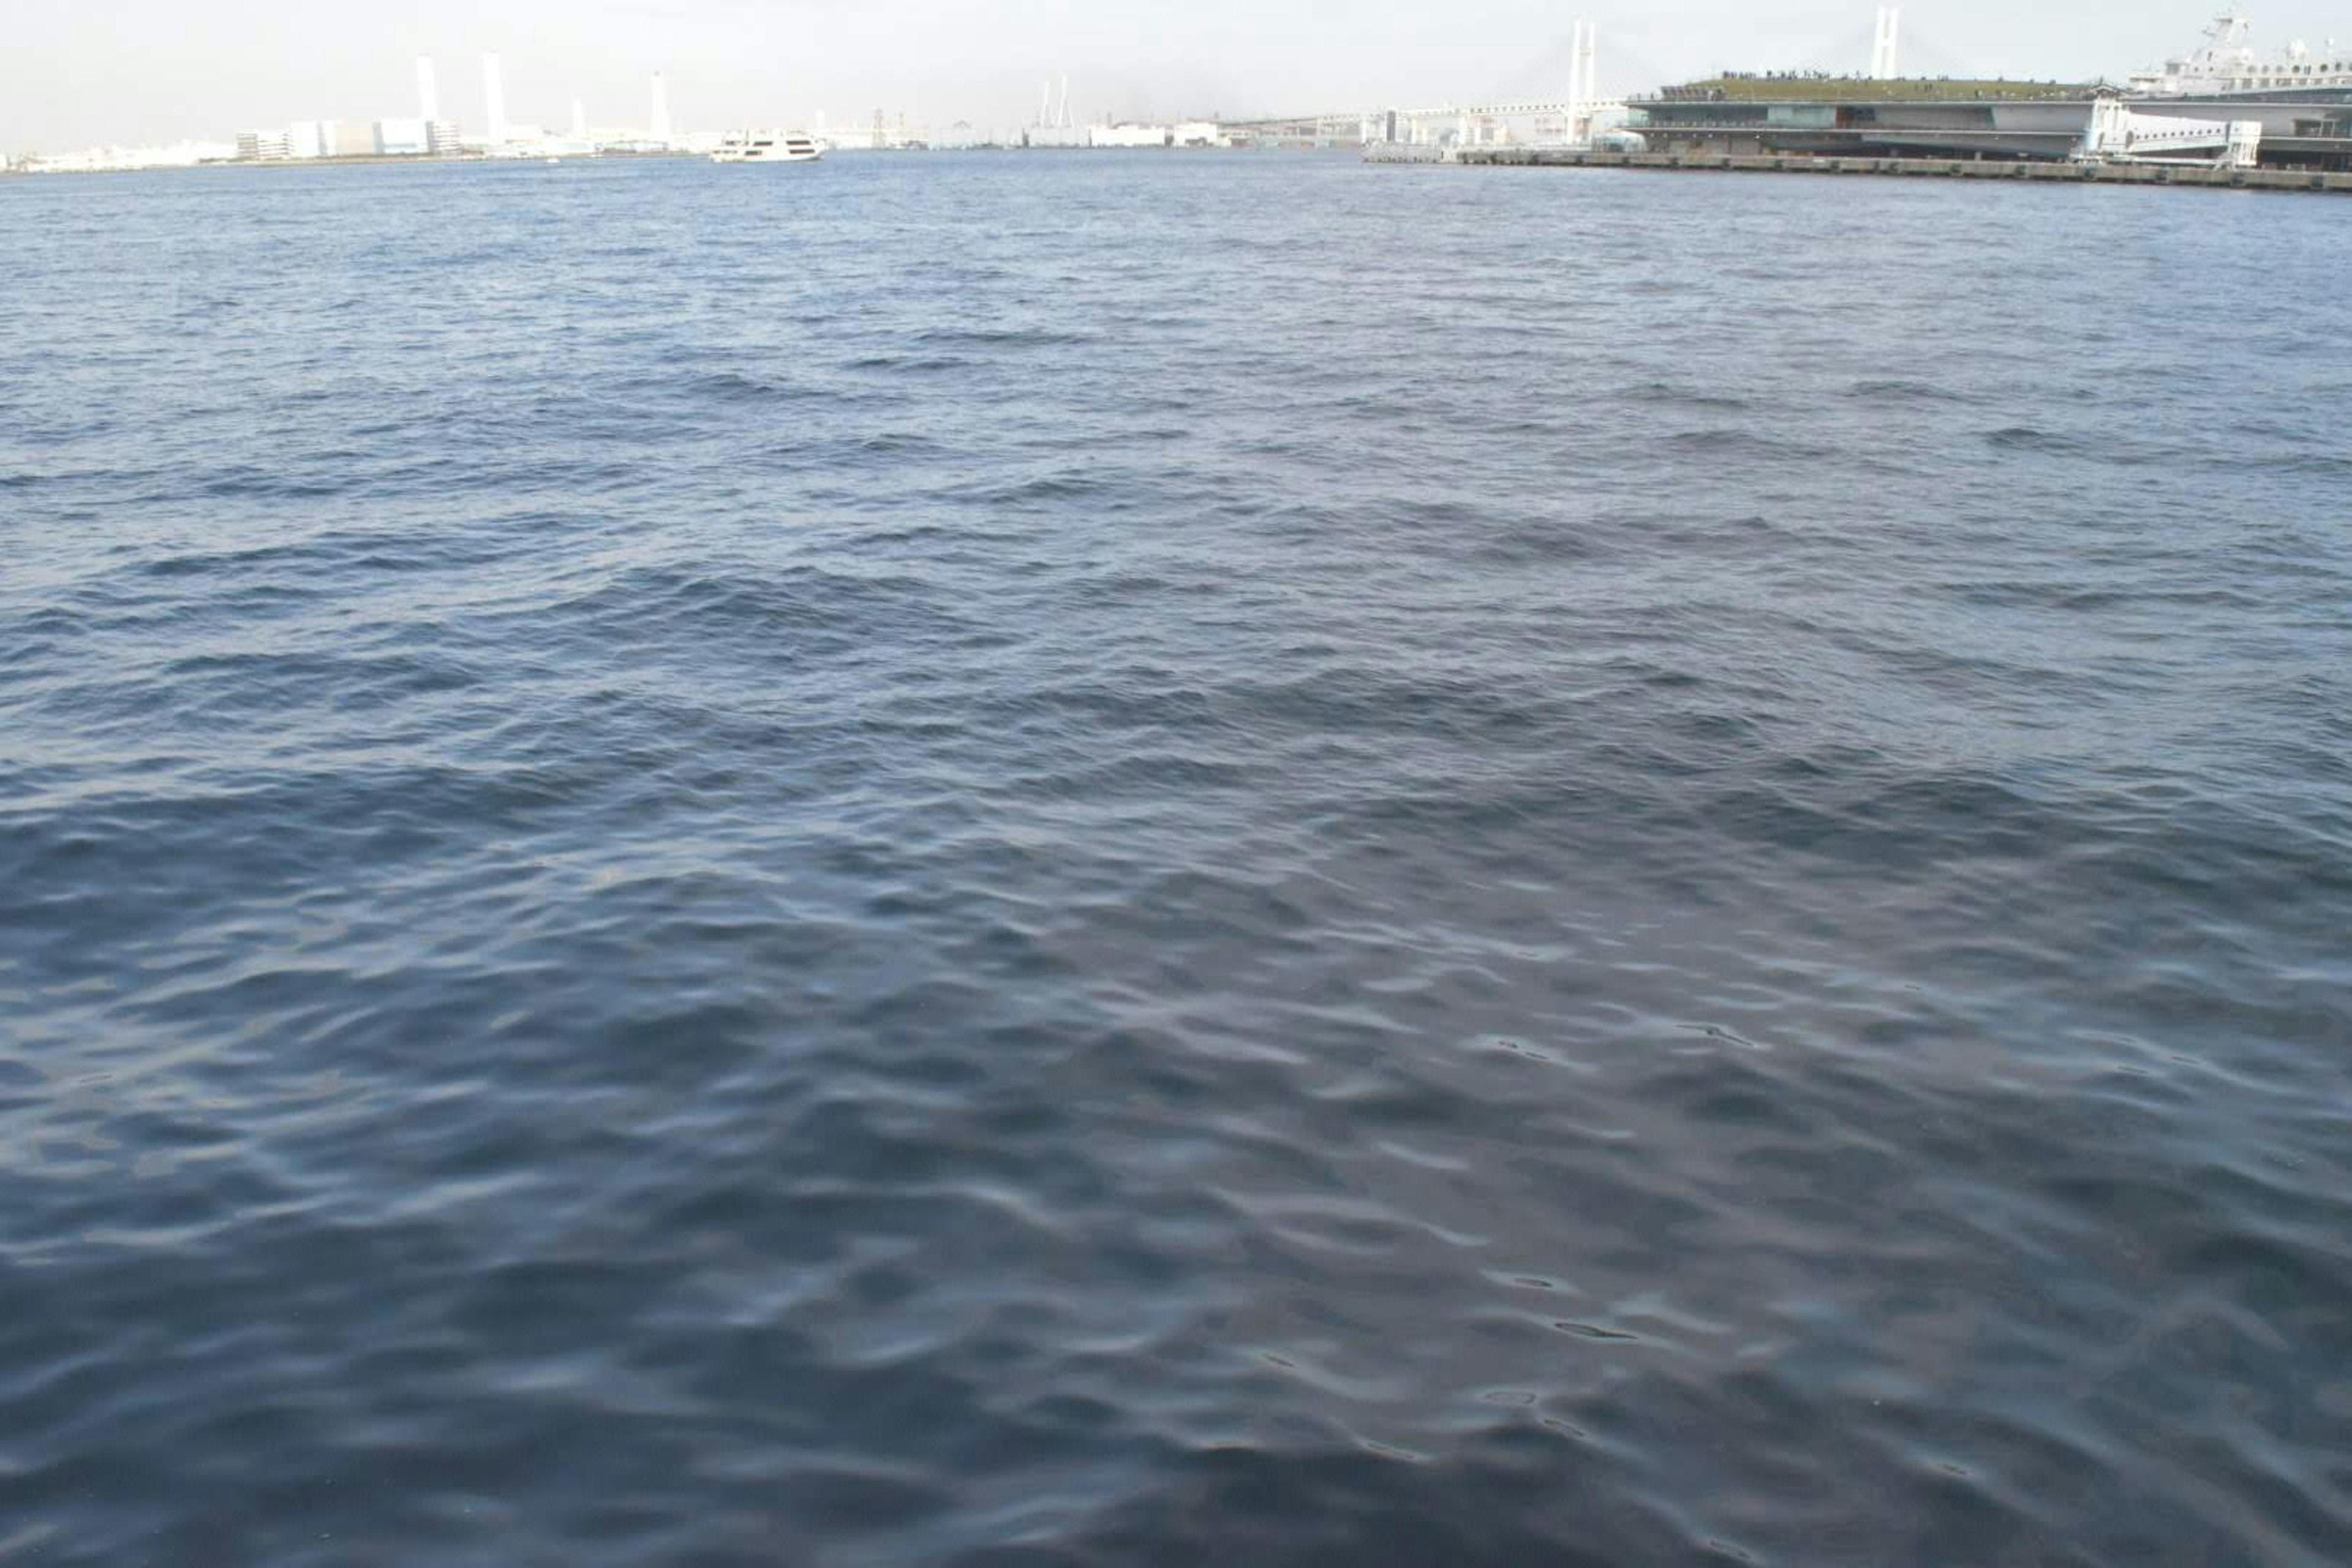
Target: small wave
[
  {"x": 2027, "y": 438},
  {"x": 1667, "y": 393},
  {"x": 2321, "y": 465},
  {"x": 256, "y": 483},
  {"x": 1898, "y": 390},
  {"x": 1033, "y": 491},
  {"x": 910, "y": 364},
  {"x": 1006, "y": 338},
  {"x": 731, "y": 387},
  {"x": 1721, "y": 441},
  {"x": 898, "y": 444},
  {"x": 712, "y": 604},
  {"x": 1534, "y": 543}
]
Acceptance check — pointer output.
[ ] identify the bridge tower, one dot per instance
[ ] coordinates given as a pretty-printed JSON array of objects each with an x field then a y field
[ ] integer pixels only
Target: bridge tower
[
  {"x": 1886, "y": 46},
  {"x": 1583, "y": 83}
]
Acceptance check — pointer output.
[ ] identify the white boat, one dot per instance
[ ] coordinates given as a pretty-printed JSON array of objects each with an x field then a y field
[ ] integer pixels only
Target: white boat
[
  {"x": 768, "y": 147},
  {"x": 2226, "y": 67}
]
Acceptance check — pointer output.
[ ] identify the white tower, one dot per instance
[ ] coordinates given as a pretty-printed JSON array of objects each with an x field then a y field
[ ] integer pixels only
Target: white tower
[
  {"x": 1583, "y": 76},
  {"x": 428, "y": 91},
  {"x": 1066, "y": 103},
  {"x": 494, "y": 99},
  {"x": 659, "y": 129},
  {"x": 1886, "y": 45},
  {"x": 1576, "y": 86},
  {"x": 579, "y": 121},
  {"x": 1588, "y": 90}
]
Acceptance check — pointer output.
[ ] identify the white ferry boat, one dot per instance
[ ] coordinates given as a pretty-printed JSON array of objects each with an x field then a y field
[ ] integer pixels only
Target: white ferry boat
[
  {"x": 2226, "y": 66},
  {"x": 768, "y": 147}
]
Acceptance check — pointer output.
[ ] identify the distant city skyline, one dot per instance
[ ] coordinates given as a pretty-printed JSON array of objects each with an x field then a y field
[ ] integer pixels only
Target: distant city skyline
[{"x": 146, "y": 72}]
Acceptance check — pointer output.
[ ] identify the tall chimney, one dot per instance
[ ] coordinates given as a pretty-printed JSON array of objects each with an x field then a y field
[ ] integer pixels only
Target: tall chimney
[{"x": 494, "y": 99}]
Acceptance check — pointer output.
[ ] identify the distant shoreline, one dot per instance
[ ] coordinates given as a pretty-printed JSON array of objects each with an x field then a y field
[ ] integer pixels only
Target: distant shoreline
[
  {"x": 401, "y": 160},
  {"x": 376, "y": 160}
]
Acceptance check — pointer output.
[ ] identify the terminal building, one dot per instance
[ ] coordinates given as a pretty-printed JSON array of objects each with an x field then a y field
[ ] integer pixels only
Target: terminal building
[
  {"x": 2300, "y": 99},
  {"x": 1819, "y": 117}
]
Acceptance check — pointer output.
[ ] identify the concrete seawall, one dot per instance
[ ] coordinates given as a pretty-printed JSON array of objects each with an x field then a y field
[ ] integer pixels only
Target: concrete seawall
[{"x": 2015, "y": 172}]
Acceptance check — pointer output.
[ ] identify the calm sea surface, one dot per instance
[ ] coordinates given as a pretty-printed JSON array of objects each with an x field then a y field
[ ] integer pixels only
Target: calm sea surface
[{"x": 1171, "y": 860}]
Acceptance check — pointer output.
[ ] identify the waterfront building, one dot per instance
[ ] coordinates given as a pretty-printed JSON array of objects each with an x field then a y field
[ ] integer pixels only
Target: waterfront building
[
  {"x": 659, "y": 131},
  {"x": 264, "y": 146},
  {"x": 1314, "y": 132},
  {"x": 1768, "y": 116},
  {"x": 403, "y": 138},
  {"x": 428, "y": 91},
  {"x": 1128, "y": 136}
]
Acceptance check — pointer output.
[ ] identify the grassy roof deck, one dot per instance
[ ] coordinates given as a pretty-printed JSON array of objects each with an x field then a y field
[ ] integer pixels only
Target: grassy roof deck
[{"x": 1864, "y": 90}]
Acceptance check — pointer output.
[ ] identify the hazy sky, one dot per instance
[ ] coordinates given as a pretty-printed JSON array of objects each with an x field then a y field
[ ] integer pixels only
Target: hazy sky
[{"x": 125, "y": 70}]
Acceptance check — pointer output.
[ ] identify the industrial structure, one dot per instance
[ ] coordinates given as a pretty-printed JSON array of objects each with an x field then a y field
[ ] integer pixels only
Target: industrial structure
[
  {"x": 441, "y": 137},
  {"x": 1055, "y": 128},
  {"x": 658, "y": 130},
  {"x": 431, "y": 134},
  {"x": 428, "y": 132},
  {"x": 494, "y": 100}
]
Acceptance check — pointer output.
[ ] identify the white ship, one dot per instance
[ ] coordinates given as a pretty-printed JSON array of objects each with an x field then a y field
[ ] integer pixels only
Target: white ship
[
  {"x": 768, "y": 147},
  {"x": 2226, "y": 66}
]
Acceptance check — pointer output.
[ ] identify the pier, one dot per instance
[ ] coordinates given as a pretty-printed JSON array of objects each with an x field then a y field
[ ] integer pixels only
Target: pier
[{"x": 2038, "y": 172}]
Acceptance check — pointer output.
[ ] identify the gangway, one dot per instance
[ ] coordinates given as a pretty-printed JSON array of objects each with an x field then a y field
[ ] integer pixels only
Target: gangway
[{"x": 2118, "y": 134}]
